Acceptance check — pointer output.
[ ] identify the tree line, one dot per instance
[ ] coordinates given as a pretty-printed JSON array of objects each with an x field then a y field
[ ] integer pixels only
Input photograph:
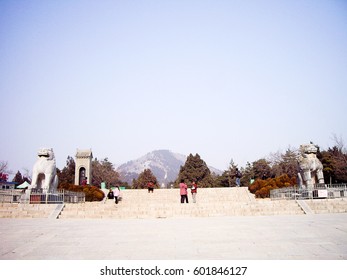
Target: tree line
[{"x": 277, "y": 171}]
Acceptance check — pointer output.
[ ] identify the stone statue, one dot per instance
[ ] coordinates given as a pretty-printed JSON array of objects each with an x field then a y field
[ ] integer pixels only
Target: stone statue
[
  {"x": 45, "y": 172},
  {"x": 310, "y": 167}
]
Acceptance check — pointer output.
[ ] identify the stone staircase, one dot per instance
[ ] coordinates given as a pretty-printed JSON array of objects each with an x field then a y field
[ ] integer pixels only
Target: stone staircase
[
  {"x": 165, "y": 203},
  {"x": 322, "y": 206},
  {"x": 18, "y": 210}
]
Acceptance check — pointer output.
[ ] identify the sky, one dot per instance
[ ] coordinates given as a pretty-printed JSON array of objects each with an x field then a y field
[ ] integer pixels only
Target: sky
[{"x": 225, "y": 79}]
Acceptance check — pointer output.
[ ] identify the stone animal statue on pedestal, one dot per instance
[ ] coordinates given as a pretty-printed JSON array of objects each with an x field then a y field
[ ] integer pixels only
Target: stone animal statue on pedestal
[
  {"x": 45, "y": 172},
  {"x": 310, "y": 167}
]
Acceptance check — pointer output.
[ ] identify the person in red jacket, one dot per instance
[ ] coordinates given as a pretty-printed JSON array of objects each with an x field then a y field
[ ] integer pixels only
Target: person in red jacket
[
  {"x": 194, "y": 190},
  {"x": 183, "y": 192},
  {"x": 150, "y": 187}
]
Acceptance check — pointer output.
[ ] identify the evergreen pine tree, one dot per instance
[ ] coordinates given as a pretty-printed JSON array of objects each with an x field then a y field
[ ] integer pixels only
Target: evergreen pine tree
[
  {"x": 144, "y": 178},
  {"x": 67, "y": 175},
  {"x": 195, "y": 169},
  {"x": 18, "y": 178}
]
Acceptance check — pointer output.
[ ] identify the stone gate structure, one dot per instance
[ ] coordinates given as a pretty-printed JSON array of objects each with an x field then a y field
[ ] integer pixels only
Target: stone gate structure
[{"x": 83, "y": 169}]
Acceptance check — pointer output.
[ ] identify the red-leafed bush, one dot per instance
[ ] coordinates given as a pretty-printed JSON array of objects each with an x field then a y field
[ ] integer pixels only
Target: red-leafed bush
[
  {"x": 92, "y": 193},
  {"x": 262, "y": 188},
  {"x": 3, "y": 177}
]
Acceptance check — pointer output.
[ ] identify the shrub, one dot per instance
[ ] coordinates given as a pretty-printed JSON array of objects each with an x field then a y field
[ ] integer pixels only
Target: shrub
[
  {"x": 262, "y": 188},
  {"x": 92, "y": 193}
]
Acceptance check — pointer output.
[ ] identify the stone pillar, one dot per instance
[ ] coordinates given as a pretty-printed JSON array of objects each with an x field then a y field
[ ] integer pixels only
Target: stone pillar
[{"x": 83, "y": 166}]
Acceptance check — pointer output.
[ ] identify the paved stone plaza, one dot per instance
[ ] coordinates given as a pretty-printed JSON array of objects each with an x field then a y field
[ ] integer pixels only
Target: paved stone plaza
[{"x": 299, "y": 237}]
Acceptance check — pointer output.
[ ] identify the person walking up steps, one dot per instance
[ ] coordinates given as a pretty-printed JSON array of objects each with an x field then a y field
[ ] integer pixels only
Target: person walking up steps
[{"x": 183, "y": 192}]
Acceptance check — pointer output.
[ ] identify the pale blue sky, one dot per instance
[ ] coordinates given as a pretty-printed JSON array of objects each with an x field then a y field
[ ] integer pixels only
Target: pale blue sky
[{"x": 225, "y": 79}]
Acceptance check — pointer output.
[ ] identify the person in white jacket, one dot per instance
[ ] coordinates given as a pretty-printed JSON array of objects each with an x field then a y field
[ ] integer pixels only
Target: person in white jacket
[{"x": 116, "y": 194}]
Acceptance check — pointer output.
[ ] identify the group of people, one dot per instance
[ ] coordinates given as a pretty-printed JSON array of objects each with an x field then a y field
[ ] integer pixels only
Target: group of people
[
  {"x": 184, "y": 188},
  {"x": 114, "y": 194},
  {"x": 184, "y": 191}
]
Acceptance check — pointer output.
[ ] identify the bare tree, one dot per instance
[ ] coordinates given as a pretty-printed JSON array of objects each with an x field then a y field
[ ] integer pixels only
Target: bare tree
[
  {"x": 3, "y": 167},
  {"x": 27, "y": 174},
  {"x": 339, "y": 143},
  {"x": 103, "y": 171},
  {"x": 284, "y": 163}
]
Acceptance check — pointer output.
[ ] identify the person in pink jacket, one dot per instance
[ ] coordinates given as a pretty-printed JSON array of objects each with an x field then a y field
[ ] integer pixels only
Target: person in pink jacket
[{"x": 183, "y": 192}]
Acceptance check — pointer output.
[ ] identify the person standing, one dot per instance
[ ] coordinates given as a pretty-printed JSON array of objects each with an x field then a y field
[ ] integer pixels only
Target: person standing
[
  {"x": 183, "y": 191},
  {"x": 150, "y": 187},
  {"x": 238, "y": 176},
  {"x": 194, "y": 190},
  {"x": 116, "y": 194},
  {"x": 84, "y": 181}
]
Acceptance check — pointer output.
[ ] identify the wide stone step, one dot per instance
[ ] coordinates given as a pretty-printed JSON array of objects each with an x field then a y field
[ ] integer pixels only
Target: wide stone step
[
  {"x": 166, "y": 203},
  {"x": 139, "y": 204},
  {"x": 25, "y": 210},
  {"x": 166, "y": 209},
  {"x": 321, "y": 206}
]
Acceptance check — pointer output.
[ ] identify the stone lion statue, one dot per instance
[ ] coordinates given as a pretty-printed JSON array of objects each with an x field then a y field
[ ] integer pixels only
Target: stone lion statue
[
  {"x": 45, "y": 172},
  {"x": 310, "y": 167}
]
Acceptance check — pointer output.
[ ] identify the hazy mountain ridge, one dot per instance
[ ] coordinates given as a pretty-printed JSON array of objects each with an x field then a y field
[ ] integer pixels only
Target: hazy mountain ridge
[{"x": 164, "y": 164}]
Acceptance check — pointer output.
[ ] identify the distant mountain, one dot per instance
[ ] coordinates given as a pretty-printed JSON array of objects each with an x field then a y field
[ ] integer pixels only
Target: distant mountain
[{"x": 164, "y": 164}]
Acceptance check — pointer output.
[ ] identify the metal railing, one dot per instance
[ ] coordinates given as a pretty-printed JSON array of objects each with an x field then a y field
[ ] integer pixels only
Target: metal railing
[
  {"x": 74, "y": 197},
  {"x": 318, "y": 191},
  {"x": 10, "y": 196},
  {"x": 38, "y": 197}
]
